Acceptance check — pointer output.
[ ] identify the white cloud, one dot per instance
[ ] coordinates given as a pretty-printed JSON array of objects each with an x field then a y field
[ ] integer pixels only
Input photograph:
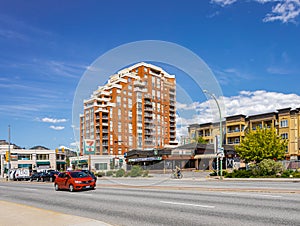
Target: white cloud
[
  {"x": 57, "y": 127},
  {"x": 285, "y": 11},
  {"x": 282, "y": 10},
  {"x": 247, "y": 103},
  {"x": 223, "y": 2},
  {"x": 53, "y": 120}
]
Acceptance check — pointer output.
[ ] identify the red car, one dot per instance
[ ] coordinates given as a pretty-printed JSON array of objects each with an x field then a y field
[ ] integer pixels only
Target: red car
[{"x": 73, "y": 181}]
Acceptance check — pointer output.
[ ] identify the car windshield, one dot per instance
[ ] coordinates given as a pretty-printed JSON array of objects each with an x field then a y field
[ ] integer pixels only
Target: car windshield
[{"x": 78, "y": 174}]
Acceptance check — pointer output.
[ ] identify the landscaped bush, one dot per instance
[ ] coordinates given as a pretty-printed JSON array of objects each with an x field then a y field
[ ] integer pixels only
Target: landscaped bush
[
  {"x": 109, "y": 173},
  {"x": 145, "y": 173},
  {"x": 267, "y": 167},
  {"x": 136, "y": 171},
  {"x": 100, "y": 174},
  {"x": 287, "y": 173},
  {"x": 296, "y": 174},
  {"x": 120, "y": 173},
  {"x": 239, "y": 174}
]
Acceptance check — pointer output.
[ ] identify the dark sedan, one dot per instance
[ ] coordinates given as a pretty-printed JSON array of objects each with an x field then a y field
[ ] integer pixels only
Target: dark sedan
[
  {"x": 50, "y": 176},
  {"x": 36, "y": 176}
]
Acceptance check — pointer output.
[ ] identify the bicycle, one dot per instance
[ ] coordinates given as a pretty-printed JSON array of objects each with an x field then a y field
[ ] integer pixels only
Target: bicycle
[{"x": 176, "y": 175}]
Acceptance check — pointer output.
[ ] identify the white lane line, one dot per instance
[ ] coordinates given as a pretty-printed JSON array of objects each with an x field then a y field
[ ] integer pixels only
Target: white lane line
[
  {"x": 30, "y": 189},
  {"x": 256, "y": 195},
  {"x": 187, "y": 204}
]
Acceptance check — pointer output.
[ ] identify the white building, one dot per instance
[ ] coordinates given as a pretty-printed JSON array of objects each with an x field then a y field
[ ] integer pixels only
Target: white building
[{"x": 38, "y": 158}]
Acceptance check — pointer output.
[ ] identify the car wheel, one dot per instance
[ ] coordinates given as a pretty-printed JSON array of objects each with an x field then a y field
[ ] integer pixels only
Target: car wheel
[
  {"x": 56, "y": 187},
  {"x": 71, "y": 188}
]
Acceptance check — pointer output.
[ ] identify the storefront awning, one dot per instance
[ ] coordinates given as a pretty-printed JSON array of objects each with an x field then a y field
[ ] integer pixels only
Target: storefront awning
[
  {"x": 82, "y": 161},
  {"x": 145, "y": 159},
  {"x": 60, "y": 162},
  {"x": 43, "y": 163},
  {"x": 205, "y": 156}
]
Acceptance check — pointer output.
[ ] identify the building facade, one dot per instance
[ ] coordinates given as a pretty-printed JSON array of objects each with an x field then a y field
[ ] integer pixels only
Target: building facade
[
  {"x": 134, "y": 110},
  {"x": 35, "y": 159},
  {"x": 286, "y": 122}
]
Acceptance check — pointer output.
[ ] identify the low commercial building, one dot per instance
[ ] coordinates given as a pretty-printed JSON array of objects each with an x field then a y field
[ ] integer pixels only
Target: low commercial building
[
  {"x": 97, "y": 163},
  {"x": 37, "y": 158}
]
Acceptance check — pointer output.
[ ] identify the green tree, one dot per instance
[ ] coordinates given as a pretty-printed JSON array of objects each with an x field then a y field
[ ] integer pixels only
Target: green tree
[
  {"x": 201, "y": 140},
  {"x": 261, "y": 144}
]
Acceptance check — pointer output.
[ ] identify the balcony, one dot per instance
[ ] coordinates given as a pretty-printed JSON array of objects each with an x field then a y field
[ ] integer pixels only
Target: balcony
[
  {"x": 138, "y": 83},
  {"x": 148, "y": 103}
]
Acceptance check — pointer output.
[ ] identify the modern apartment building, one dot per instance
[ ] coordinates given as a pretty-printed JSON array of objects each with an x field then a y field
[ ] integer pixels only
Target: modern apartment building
[
  {"x": 286, "y": 122},
  {"x": 135, "y": 109}
]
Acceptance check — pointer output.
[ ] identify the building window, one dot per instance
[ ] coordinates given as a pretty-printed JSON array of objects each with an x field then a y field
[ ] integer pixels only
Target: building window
[
  {"x": 237, "y": 140},
  {"x": 129, "y": 103},
  {"x": 118, "y": 100},
  {"x": 101, "y": 166},
  {"x": 24, "y": 157},
  {"x": 284, "y": 136},
  {"x": 42, "y": 156},
  {"x": 284, "y": 123}
]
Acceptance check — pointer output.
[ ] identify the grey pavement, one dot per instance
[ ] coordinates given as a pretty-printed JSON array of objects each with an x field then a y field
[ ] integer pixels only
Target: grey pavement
[
  {"x": 13, "y": 214},
  {"x": 18, "y": 214}
]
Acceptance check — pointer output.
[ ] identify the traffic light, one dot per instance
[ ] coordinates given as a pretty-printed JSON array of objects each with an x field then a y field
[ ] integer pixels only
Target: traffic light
[{"x": 7, "y": 156}]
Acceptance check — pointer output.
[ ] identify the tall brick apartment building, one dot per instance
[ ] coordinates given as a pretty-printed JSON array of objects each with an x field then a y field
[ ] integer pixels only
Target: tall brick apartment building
[{"x": 134, "y": 110}]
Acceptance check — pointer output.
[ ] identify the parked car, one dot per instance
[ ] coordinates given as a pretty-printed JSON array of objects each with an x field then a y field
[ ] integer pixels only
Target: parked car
[
  {"x": 90, "y": 173},
  {"x": 36, "y": 176},
  {"x": 74, "y": 180},
  {"x": 49, "y": 176}
]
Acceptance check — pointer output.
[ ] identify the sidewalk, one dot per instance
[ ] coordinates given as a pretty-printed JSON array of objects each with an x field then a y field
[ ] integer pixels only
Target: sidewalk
[{"x": 13, "y": 214}]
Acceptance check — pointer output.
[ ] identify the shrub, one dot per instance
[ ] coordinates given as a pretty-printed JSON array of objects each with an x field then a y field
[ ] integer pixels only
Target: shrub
[
  {"x": 296, "y": 174},
  {"x": 239, "y": 174},
  {"x": 100, "y": 174},
  {"x": 110, "y": 173},
  {"x": 120, "y": 173},
  {"x": 145, "y": 173},
  {"x": 286, "y": 173},
  {"x": 267, "y": 167},
  {"x": 136, "y": 171}
]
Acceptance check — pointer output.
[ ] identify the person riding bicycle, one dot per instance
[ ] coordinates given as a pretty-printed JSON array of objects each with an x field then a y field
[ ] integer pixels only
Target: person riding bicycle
[{"x": 178, "y": 172}]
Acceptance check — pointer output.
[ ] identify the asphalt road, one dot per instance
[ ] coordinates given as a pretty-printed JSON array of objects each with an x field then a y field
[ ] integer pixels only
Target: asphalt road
[{"x": 166, "y": 203}]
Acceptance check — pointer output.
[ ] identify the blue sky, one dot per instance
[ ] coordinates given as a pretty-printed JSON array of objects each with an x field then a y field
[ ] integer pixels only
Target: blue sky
[{"x": 251, "y": 46}]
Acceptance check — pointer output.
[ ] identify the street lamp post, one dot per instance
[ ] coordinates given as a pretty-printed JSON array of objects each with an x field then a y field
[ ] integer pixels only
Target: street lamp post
[
  {"x": 220, "y": 149},
  {"x": 8, "y": 164}
]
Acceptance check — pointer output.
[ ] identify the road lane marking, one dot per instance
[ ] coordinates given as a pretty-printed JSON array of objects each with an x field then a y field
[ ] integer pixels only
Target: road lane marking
[
  {"x": 187, "y": 204},
  {"x": 31, "y": 189},
  {"x": 257, "y": 195}
]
